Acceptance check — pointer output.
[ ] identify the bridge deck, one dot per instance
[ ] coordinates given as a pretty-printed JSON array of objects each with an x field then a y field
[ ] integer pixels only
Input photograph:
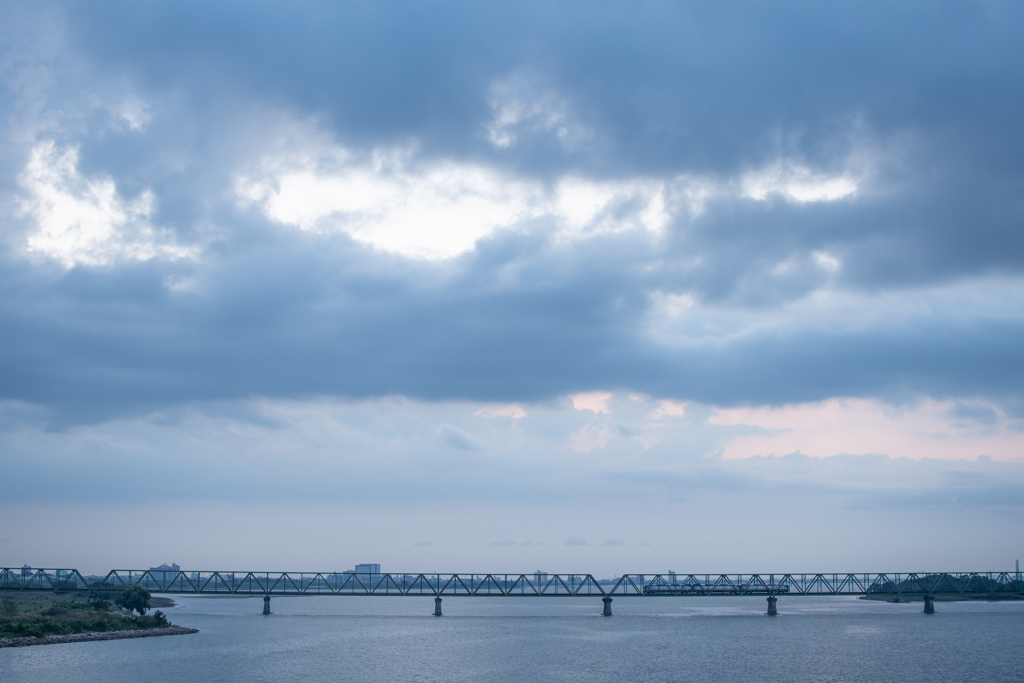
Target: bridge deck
[{"x": 993, "y": 584}]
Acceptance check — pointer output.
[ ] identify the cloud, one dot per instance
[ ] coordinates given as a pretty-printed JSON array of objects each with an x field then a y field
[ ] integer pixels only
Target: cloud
[
  {"x": 512, "y": 410},
  {"x": 508, "y": 542},
  {"x": 574, "y": 540},
  {"x": 975, "y": 412},
  {"x": 350, "y": 440},
  {"x": 522, "y": 107},
  {"x": 693, "y": 247},
  {"x": 457, "y": 438},
  {"x": 434, "y": 212},
  {"x": 827, "y": 261},
  {"x": 85, "y": 221},
  {"x": 669, "y": 409},
  {"x": 377, "y": 463},
  {"x": 397, "y": 201},
  {"x": 595, "y": 401},
  {"x": 858, "y": 426},
  {"x": 797, "y": 183},
  {"x": 590, "y": 437},
  {"x": 438, "y": 209},
  {"x": 136, "y": 113}
]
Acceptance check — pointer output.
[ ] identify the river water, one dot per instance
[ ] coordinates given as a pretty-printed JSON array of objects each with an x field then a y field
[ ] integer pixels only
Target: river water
[{"x": 392, "y": 640}]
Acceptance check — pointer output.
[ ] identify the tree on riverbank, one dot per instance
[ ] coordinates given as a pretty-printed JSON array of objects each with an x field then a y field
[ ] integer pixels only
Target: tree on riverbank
[{"x": 134, "y": 599}]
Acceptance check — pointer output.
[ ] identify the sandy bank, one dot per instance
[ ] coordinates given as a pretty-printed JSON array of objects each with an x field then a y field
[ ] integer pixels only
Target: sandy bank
[{"x": 83, "y": 637}]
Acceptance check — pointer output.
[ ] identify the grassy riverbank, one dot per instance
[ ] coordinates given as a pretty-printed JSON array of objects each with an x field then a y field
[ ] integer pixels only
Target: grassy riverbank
[{"x": 45, "y": 614}]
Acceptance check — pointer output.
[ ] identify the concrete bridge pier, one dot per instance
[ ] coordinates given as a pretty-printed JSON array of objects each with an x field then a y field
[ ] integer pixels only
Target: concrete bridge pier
[
  {"x": 929, "y": 604},
  {"x": 772, "y": 611},
  {"x": 607, "y": 607},
  {"x": 437, "y": 607},
  {"x": 266, "y": 604}
]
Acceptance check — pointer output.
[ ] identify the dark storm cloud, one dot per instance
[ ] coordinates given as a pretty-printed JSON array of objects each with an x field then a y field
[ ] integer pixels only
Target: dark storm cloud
[
  {"x": 929, "y": 92},
  {"x": 693, "y": 84},
  {"x": 101, "y": 343}
]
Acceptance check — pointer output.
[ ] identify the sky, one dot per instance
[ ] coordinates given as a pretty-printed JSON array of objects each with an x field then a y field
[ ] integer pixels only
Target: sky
[{"x": 594, "y": 287}]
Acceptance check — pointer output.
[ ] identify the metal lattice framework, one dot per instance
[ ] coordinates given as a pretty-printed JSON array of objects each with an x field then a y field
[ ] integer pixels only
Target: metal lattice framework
[{"x": 996, "y": 584}]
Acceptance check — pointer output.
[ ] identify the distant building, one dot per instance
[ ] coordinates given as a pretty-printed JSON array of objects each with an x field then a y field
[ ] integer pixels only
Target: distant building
[
  {"x": 541, "y": 578},
  {"x": 26, "y": 572},
  {"x": 671, "y": 577},
  {"x": 161, "y": 573},
  {"x": 367, "y": 569}
]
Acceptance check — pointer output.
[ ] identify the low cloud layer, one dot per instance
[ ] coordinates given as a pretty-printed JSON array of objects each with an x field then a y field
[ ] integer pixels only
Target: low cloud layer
[
  {"x": 459, "y": 486},
  {"x": 396, "y": 448}
]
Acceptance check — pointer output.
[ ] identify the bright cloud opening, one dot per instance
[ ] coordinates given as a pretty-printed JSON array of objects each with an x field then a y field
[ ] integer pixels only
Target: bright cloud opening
[
  {"x": 797, "y": 183},
  {"x": 437, "y": 210},
  {"x": 83, "y": 220}
]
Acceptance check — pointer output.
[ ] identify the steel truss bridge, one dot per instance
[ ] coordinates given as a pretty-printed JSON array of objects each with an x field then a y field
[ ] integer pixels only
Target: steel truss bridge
[{"x": 891, "y": 585}]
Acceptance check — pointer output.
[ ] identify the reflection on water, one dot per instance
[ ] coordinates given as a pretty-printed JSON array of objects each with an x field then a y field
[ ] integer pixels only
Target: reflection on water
[{"x": 395, "y": 639}]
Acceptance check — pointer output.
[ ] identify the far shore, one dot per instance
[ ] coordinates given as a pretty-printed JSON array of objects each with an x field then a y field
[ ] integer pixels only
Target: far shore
[{"x": 943, "y": 597}]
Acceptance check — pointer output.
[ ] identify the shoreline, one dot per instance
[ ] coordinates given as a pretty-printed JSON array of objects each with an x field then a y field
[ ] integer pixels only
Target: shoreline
[
  {"x": 28, "y": 641},
  {"x": 944, "y": 597}
]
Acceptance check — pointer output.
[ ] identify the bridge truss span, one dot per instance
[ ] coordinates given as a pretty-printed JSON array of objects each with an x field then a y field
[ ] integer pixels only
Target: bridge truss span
[
  {"x": 887, "y": 585},
  {"x": 307, "y": 583}
]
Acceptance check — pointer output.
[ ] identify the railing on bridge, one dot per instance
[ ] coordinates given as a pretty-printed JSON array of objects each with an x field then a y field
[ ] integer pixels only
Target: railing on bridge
[{"x": 993, "y": 584}]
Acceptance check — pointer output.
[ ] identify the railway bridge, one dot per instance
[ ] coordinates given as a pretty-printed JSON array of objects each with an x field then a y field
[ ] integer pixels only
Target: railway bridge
[{"x": 895, "y": 586}]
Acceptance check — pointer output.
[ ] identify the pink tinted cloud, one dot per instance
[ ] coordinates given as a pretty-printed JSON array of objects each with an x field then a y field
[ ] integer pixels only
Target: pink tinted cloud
[{"x": 928, "y": 429}]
